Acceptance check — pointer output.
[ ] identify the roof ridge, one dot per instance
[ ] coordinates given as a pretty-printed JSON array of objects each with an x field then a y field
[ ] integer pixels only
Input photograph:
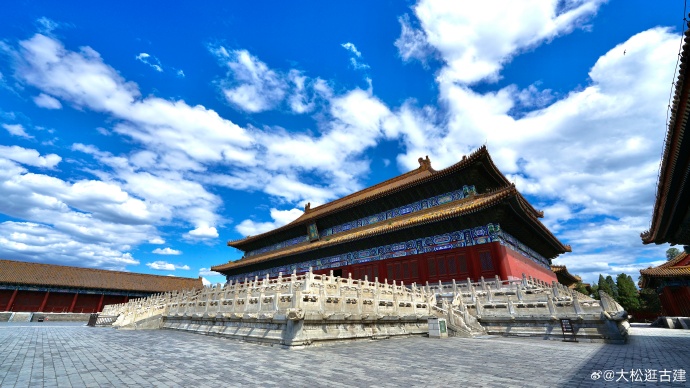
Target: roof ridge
[
  {"x": 91, "y": 269},
  {"x": 488, "y": 199},
  {"x": 425, "y": 165}
]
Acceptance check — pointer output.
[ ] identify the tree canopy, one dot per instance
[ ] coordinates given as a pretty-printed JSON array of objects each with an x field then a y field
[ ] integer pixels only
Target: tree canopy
[{"x": 671, "y": 253}]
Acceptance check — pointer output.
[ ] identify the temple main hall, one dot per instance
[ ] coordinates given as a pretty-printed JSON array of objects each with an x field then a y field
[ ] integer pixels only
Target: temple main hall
[{"x": 463, "y": 221}]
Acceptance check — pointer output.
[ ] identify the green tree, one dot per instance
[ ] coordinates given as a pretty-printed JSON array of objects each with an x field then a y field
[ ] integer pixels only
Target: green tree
[
  {"x": 612, "y": 287},
  {"x": 581, "y": 288},
  {"x": 671, "y": 253},
  {"x": 649, "y": 300},
  {"x": 595, "y": 291},
  {"x": 628, "y": 296},
  {"x": 604, "y": 286}
]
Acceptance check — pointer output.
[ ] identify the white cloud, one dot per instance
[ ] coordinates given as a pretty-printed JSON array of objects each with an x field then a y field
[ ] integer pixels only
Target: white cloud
[
  {"x": 591, "y": 156},
  {"x": 180, "y": 74},
  {"x": 475, "y": 40},
  {"x": 157, "y": 241},
  {"x": 280, "y": 218},
  {"x": 253, "y": 86},
  {"x": 203, "y": 232},
  {"x": 205, "y": 282},
  {"x": 412, "y": 42},
  {"x": 351, "y": 48},
  {"x": 93, "y": 222},
  {"x": 29, "y": 241},
  {"x": 29, "y": 156},
  {"x": 166, "y": 251},
  {"x": 46, "y": 25},
  {"x": 16, "y": 130},
  {"x": 356, "y": 64},
  {"x": 151, "y": 61},
  {"x": 208, "y": 272},
  {"x": 165, "y": 266},
  {"x": 299, "y": 100},
  {"x": 84, "y": 80},
  {"x": 45, "y": 101}
]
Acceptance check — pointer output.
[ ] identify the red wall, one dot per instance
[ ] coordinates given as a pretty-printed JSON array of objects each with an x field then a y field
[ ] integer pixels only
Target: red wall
[
  {"x": 5, "y": 296},
  {"x": 57, "y": 302},
  {"x": 675, "y": 301},
  {"x": 487, "y": 260},
  {"x": 516, "y": 264}
]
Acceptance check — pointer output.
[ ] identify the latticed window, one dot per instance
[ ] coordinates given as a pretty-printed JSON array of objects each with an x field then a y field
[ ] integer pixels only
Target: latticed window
[
  {"x": 432, "y": 267},
  {"x": 486, "y": 262},
  {"x": 462, "y": 264}
]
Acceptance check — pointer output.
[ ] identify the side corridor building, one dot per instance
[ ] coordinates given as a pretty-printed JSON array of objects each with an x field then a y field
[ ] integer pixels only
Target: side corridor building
[{"x": 32, "y": 287}]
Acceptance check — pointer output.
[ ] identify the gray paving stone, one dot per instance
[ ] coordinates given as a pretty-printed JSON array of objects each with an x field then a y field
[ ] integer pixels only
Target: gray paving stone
[{"x": 64, "y": 355}]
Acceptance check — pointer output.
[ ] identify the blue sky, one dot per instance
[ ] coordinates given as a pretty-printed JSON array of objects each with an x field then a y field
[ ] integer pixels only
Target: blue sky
[{"x": 142, "y": 137}]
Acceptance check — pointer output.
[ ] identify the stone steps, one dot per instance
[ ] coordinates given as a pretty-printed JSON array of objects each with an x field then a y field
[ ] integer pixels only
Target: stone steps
[{"x": 21, "y": 317}]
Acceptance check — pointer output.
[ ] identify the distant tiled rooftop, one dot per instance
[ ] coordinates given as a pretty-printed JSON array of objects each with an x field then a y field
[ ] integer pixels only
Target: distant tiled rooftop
[
  {"x": 23, "y": 273},
  {"x": 678, "y": 266}
]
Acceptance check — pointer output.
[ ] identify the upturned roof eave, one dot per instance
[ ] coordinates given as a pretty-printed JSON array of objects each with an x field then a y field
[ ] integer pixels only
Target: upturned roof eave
[
  {"x": 496, "y": 197},
  {"x": 658, "y": 231},
  {"x": 309, "y": 217}
]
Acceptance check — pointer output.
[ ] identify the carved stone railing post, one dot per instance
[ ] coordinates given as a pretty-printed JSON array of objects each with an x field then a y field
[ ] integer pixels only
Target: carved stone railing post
[
  {"x": 576, "y": 305},
  {"x": 550, "y": 305}
]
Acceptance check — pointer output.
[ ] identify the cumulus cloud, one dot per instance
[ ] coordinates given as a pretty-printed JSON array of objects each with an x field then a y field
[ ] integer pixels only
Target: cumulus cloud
[
  {"x": 45, "y": 101},
  {"x": 203, "y": 232},
  {"x": 166, "y": 251},
  {"x": 165, "y": 266},
  {"x": 157, "y": 241},
  {"x": 84, "y": 80},
  {"x": 590, "y": 157},
  {"x": 29, "y": 156},
  {"x": 30, "y": 241},
  {"x": 16, "y": 130},
  {"x": 476, "y": 40},
  {"x": 280, "y": 218}
]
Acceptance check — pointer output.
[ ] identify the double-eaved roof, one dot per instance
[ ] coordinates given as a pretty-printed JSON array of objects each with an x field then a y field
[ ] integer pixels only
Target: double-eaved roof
[
  {"x": 671, "y": 217},
  {"x": 21, "y": 273},
  {"x": 503, "y": 193},
  {"x": 422, "y": 175}
]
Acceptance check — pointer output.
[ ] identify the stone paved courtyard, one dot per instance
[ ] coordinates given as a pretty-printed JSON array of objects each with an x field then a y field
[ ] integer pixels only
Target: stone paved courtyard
[{"x": 63, "y": 355}]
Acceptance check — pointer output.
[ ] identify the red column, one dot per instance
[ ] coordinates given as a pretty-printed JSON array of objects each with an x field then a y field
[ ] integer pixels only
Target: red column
[
  {"x": 45, "y": 300},
  {"x": 74, "y": 302},
  {"x": 499, "y": 253},
  {"x": 9, "y": 304},
  {"x": 474, "y": 267},
  {"x": 100, "y": 304}
]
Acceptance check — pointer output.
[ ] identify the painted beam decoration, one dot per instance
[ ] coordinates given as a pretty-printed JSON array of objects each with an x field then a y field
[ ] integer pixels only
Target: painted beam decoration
[
  {"x": 458, "y": 239},
  {"x": 438, "y": 200},
  {"x": 313, "y": 232}
]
